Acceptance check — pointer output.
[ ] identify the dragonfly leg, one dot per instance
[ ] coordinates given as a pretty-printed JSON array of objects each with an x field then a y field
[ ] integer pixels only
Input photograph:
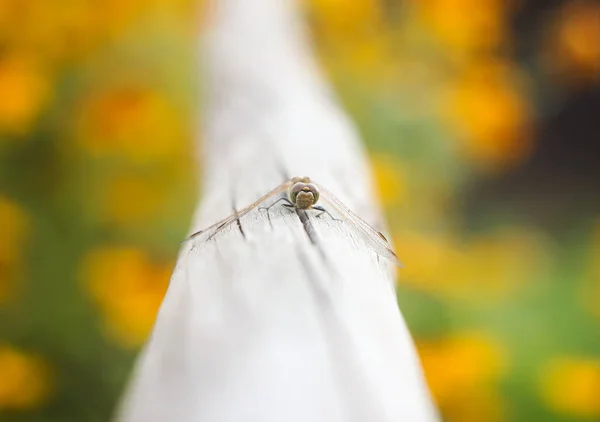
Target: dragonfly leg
[
  {"x": 288, "y": 203},
  {"x": 324, "y": 211}
]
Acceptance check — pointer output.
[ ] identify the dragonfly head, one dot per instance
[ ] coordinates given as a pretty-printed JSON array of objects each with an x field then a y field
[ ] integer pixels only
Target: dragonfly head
[{"x": 303, "y": 193}]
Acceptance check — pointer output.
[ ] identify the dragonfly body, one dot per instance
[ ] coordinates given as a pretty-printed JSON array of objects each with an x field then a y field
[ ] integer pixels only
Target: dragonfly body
[{"x": 304, "y": 194}]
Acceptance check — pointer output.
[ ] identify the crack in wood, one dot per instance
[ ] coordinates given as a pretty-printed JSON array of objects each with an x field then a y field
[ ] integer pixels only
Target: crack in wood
[
  {"x": 312, "y": 235},
  {"x": 307, "y": 225},
  {"x": 239, "y": 223}
]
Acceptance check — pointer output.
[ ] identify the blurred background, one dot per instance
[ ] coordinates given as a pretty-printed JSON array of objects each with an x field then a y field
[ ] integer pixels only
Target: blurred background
[{"x": 482, "y": 120}]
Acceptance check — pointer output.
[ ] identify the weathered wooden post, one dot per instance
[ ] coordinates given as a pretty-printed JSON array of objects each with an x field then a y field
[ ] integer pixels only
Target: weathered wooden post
[{"x": 276, "y": 319}]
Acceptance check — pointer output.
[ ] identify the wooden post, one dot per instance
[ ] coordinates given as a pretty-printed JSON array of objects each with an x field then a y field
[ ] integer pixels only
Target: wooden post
[{"x": 279, "y": 318}]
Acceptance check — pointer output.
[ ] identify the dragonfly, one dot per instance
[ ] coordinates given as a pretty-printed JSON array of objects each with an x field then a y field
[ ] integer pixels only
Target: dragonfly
[{"x": 304, "y": 194}]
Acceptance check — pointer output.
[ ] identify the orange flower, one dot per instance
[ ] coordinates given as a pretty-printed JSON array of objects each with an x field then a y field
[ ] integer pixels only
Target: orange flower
[
  {"x": 572, "y": 386},
  {"x": 461, "y": 371},
  {"x": 134, "y": 122},
  {"x": 128, "y": 288},
  {"x": 25, "y": 381},
  {"x": 466, "y": 26},
  {"x": 574, "y": 43},
  {"x": 492, "y": 120},
  {"x": 24, "y": 89}
]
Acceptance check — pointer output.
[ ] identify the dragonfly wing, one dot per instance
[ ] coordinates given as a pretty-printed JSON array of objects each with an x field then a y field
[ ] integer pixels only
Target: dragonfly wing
[
  {"x": 371, "y": 236},
  {"x": 223, "y": 224},
  {"x": 209, "y": 228}
]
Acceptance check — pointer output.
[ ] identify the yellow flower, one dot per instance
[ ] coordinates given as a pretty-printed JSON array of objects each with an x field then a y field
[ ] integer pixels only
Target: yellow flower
[
  {"x": 134, "y": 122},
  {"x": 477, "y": 405},
  {"x": 339, "y": 19},
  {"x": 128, "y": 288},
  {"x": 491, "y": 118},
  {"x": 424, "y": 257},
  {"x": 494, "y": 264},
  {"x": 25, "y": 381},
  {"x": 130, "y": 199},
  {"x": 119, "y": 15},
  {"x": 355, "y": 37},
  {"x": 60, "y": 31},
  {"x": 389, "y": 179},
  {"x": 24, "y": 90},
  {"x": 51, "y": 31},
  {"x": 465, "y": 26},
  {"x": 461, "y": 371},
  {"x": 572, "y": 386},
  {"x": 573, "y": 43},
  {"x": 503, "y": 260},
  {"x": 14, "y": 227}
]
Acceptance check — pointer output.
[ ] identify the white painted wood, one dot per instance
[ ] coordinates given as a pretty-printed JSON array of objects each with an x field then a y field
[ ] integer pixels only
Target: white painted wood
[{"x": 271, "y": 324}]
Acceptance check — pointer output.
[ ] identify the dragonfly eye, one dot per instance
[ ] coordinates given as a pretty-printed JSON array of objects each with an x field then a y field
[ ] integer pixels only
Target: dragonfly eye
[
  {"x": 295, "y": 190},
  {"x": 315, "y": 191}
]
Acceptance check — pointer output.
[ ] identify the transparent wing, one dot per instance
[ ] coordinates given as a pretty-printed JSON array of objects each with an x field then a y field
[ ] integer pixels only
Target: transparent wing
[
  {"x": 372, "y": 237},
  {"x": 223, "y": 224}
]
